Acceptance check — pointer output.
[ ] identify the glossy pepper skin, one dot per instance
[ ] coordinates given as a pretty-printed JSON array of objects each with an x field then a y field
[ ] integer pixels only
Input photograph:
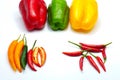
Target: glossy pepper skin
[
  {"x": 29, "y": 57},
  {"x": 83, "y": 15},
  {"x": 23, "y": 57},
  {"x": 34, "y": 13},
  {"x": 11, "y": 53},
  {"x": 58, "y": 15}
]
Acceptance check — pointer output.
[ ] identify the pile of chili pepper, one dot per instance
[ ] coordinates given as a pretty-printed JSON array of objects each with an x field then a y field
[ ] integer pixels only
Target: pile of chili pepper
[
  {"x": 19, "y": 56},
  {"x": 86, "y": 51}
]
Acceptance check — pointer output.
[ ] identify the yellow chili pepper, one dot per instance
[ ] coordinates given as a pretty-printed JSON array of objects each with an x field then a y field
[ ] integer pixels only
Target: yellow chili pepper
[
  {"x": 83, "y": 15},
  {"x": 11, "y": 50},
  {"x": 18, "y": 51}
]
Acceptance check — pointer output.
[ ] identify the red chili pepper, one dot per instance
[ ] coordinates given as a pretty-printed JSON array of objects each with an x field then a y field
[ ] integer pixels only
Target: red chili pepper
[
  {"x": 92, "y": 62},
  {"x": 104, "y": 55},
  {"x": 34, "y": 13},
  {"x": 81, "y": 63},
  {"x": 101, "y": 46},
  {"x": 89, "y": 49},
  {"x": 29, "y": 58},
  {"x": 101, "y": 63},
  {"x": 73, "y": 54}
]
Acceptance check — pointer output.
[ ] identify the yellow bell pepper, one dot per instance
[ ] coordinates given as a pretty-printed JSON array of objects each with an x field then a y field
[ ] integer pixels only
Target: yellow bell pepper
[{"x": 83, "y": 15}]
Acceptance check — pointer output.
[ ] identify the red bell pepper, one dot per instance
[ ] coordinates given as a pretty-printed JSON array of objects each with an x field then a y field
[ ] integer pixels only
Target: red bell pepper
[{"x": 34, "y": 13}]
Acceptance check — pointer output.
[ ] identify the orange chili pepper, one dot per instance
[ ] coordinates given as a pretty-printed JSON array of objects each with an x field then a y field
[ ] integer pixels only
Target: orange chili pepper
[
  {"x": 11, "y": 50},
  {"x": 18, "y": 51},
  {"x": 42, "y": 55},
  {"x": 35, "y": 57}
]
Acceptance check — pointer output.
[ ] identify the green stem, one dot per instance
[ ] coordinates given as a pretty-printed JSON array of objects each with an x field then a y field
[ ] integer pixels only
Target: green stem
[
  {"x": 84, "y": 55},
  {"x": 25, "y": 41},
  {"x": 19, "y": 37},
  {"x": 74, "y": 43},
  {"x": 23, "y": 37},
  {"x": 34, "y": 44},
  {"x": 108, "y": 43},
  {"x": 92, "y": 55}
]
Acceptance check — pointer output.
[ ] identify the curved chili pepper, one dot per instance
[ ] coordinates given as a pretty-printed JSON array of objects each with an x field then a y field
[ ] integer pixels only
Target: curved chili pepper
[
  {"x": 92, "y": 62},
  {"x": 73, "y": 54},
  {"x": 29, "y": 57},
  {"x": 101, "y": 63},
  {"x": 104, "y": 55},
  {"x": 81, "y": 63},
  {"x": 35, "y": 56},
  {"x": 42, "y": 55},
  {"x": 23, "y": 58},
  {"x": 89, "y": 49},
  {"x": 18, "y": 51},
  {"x": 100, "y": 46},
  {"x": 11, "y": 50}
]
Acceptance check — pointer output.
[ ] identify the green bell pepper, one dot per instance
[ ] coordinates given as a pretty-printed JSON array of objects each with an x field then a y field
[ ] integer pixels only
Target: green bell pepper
[{"x": 58, "y": 15}]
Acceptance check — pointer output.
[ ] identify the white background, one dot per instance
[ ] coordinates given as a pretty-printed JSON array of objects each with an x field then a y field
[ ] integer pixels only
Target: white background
[{"x": 59, "y": 66}]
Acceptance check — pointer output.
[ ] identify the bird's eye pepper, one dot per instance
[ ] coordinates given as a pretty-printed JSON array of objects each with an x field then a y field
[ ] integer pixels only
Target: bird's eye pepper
[
  {"x": 92, "y": 62},
  {"x": 99, "y": 46},
  {"x": 89, "y": 49},
  {"x": 81, "y": 63},
  {"x": 74, "y": 54},
  {"x": 99, "y": 61},
  {"x": 104, "y": 55},
  {"x": 58, "y": 15},
  {"x": 34, "y": 13},
  {"x": 83, "y": 15}
]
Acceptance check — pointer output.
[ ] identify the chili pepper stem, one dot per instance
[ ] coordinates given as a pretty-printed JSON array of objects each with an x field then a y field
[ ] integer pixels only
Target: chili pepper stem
[
  {"x": 108, "y": 43},
  {"x": 92, "y": 55},
  {"x": 84, "y": 55},
  {"x": 34, "y": 44},
  {"x": 23, "y": 37},
  {"x": 25, "y": 41},
  {"x": 18, "y": 37},
  {"x": 74, "y": 43},
  {"x": 105, "y": 60}
]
